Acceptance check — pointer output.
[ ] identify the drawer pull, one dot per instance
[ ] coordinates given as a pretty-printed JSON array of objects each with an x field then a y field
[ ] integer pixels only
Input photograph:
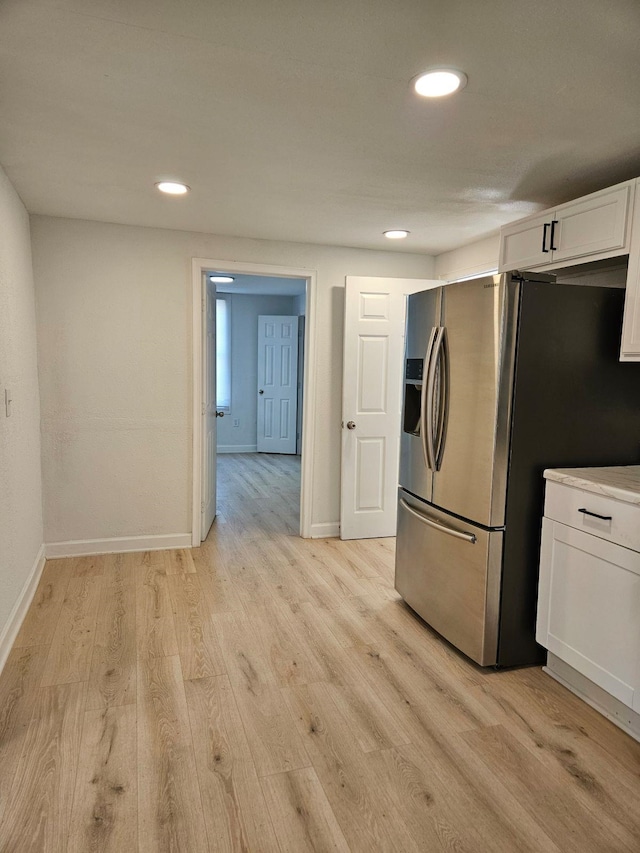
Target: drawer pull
[
  {"x": 595, "y": 515},
  {"x": 459, "y": 534}
]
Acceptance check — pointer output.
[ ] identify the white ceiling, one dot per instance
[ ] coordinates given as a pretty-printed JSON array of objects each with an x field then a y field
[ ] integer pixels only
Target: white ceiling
[
  {"x": 254, "y": 285},
  {"x": 294, "y": 119}
]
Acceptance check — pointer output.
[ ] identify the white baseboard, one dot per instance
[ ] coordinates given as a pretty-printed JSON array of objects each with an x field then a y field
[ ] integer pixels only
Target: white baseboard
[
  {"x": 328, "y": 530},
  {"x": 237, "y": 448},
  {"x": 86, "y": 547},
  {"x": 9, "y": 632}
]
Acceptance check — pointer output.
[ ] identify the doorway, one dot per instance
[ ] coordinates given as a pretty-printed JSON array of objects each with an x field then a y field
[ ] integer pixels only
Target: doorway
[{"x": 256, "y": 290}]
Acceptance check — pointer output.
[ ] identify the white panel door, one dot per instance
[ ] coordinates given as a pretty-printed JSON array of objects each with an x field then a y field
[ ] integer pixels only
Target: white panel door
[
  {"x": 277, "y": 383},
  {"x": 209, "y": 438},
  {"x": 374, "y": 324}
]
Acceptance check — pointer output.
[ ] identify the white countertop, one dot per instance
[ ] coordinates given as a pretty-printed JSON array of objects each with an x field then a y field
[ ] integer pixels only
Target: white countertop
[{"x": 621, "y": 482}]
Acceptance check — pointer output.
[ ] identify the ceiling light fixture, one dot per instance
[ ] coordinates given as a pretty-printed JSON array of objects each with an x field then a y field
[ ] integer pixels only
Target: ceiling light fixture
[
  {"x": 397, "y": 234},
  {"x": 221, "y": 279},
  {"x": 439, "y": 82},
  {"x": 172, "y": 187}
]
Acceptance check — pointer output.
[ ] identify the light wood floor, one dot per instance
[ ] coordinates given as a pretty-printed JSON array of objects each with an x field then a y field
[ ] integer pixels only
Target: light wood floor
[{"x": 266, "y": 693}]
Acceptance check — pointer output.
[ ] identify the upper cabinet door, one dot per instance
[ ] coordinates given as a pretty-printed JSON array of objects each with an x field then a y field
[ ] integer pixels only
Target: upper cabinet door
[
  {"x": 596, "y": 224},
  {"x": 592, "y": 228},
  {"x": 521, "y": 245}
]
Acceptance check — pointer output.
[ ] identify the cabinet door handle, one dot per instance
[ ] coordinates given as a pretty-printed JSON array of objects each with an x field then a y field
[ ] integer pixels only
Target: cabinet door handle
[
  {"x": 545, "y": 231},
  {"x": 553, "y": 231},
  {"x": 595, "y": 514}
]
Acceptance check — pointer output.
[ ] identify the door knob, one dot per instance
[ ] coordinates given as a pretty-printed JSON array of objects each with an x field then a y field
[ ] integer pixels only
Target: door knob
[
  {"x": 219, "y": 414},
  {"x": 261, "y": 391},
  {"x": 351, "y": 425}
]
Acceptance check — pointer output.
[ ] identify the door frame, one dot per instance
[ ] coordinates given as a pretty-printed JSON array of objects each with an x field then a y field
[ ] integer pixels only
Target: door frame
[{"x": 199, "y": 266}]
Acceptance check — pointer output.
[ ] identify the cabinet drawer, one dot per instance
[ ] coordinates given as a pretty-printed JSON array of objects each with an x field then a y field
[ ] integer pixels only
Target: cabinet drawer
[{"x": 621, "y": 522}]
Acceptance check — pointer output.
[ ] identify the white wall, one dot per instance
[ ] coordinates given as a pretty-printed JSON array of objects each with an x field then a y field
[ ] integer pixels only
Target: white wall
[
  {"x": 20, "y": 477},
  {"x": 115, "y": 350},
  {"x": 245, "y": 311},
  {"x": 477, "y": 257}
]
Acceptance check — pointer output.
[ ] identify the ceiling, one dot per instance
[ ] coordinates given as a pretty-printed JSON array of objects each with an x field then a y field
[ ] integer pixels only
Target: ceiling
[
  {"x": 294, "y": 119},
  {"x": 261, "y": 285}
]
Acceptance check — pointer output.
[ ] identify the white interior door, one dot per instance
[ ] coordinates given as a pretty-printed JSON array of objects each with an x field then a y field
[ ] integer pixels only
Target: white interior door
[
  {"x": 209, "y": 439},
  {"x": 277, "y": 384},
  {"x": 374, "y": 321}
]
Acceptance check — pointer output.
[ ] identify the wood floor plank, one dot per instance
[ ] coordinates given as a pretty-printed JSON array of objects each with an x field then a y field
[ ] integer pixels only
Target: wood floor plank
[
  {"x": 303, "y": 818},
  {"x": 179, "y": 562},
  {"x": 72, "y": 645},
  {"x": 91, "y": 566},
  {"x": 38, "y": 814},
  {"x": 578, "y": 762},
  {"x": 42, "y": 617},
  {"x": 200, "y": 654},
  {"x": 333, "y": 572},
  {"x": 372, "y": 557},
  {"x": 553, "y": 806},
  {"x": 105, "y": 811},
  {"x": 290, "y": 659},
  {"x": 282, "y": 574},
  {"x": 275, "y": 745},
  {"x": 155, "y": 629},
  {"x": 112, "y": 679},
  {"x": 170, "y": 814},
  {"x": 234, "y": 808},
  {"x": 348, "y": 625},
  {"x": 217, "y": 586},
  {"x": 533, "y": 694},
  {"x": 373, "y": 725},
  {"x": 359, "y": 563},
  {"x": 367, "y": 818},
  {"x": 445, "y": 810},
  {"x": 19, "y": 682}
]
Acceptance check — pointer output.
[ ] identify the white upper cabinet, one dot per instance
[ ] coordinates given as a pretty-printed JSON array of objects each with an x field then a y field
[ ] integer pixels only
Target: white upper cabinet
[
  {"x": 630, "y": 349},
  {"x": 591, "y": 228},
  {"x": 521, "y": 243}
]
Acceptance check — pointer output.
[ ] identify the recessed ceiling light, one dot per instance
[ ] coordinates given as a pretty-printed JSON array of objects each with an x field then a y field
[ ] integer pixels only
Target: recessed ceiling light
[
  {"x": 221, "y": 279},
  {"x": 396, "y": 234},
  {"x": 172, "y": 187},
  {"x": 439, "y": 82}
]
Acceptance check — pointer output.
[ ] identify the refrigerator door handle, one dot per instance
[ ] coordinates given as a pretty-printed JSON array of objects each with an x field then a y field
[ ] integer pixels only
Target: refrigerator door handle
[
  {"x": 468, "y": 537},
  {"x": 428, "y": 412},
  {"x": 425, "y": 406},
  {"x": 442, "y": 353}
]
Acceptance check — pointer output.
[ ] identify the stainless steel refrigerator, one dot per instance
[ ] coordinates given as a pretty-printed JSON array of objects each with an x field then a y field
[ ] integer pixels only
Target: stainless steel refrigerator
[{"x": 504, "y": 376}]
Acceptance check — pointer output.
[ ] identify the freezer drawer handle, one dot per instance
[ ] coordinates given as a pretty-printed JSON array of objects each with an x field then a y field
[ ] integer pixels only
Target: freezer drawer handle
[
  {"x": 468, "y": 537},
  {"x": 595, "y": 514}
]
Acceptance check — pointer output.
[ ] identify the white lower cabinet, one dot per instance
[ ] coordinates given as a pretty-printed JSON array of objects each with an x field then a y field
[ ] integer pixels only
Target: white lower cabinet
[
  {"x": 589, "y": 597},
  {"x": 589, "y": 608}
]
